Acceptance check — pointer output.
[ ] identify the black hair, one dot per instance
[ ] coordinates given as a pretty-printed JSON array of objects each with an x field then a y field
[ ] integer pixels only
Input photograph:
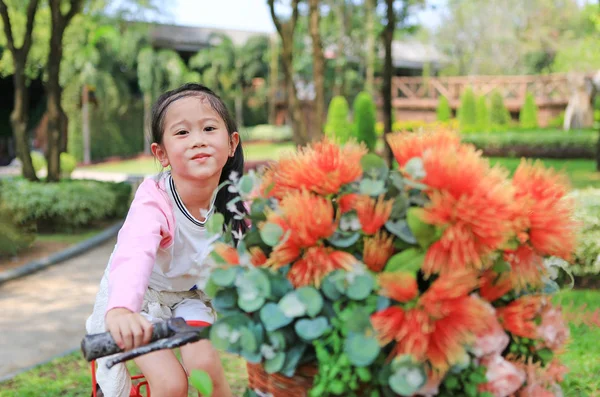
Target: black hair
[{"x": 234, "y": 164}]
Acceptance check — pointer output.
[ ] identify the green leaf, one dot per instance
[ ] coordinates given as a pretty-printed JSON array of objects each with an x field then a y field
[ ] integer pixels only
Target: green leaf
[
  {"x": 312, "y": 299},
  {"x": 423, "y": 232},
  {"x": 400, "y": 228},
  {"x": 202, "y": 382},
  {"x": 225, "y": 299},
  {"x": 414, "y": 167},
  {"x": 409, "y": 261},
  {"x": 275, "y": 364},
  {"x": 214, "y": 224},
  {"x": 271, "y": 234},
  {"x": 292, "y": 306},
  {"x": 407, "y": 379},
  {"x": 370, "y": 187},
  {"x": 361, "y": 350},
  {"x": 250, "y": 305},
  {"x": 245, "y": 185},
  {"x": 344, "y": 240},
  {"x": 253, "y": 283},
  {"x": 357, "y": 320},
  {"x": 224, "y": 277},
  {"x": 248, "y": 340},
  {"x": 211, "y": 288},
  {"x": 311, "y": 329},
  {"x": 329, "y": 289},
  {"x": 292, "y": 358},
  {"x": 272, "y": 317},
  {"x": 361, "y": 287},
  {"x": 374, "y": 166},
  {"x": 545, "y": 355}
]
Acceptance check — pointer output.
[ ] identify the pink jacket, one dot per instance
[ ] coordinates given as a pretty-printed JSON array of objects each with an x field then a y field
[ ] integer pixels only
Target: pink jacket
[{"x": 150, "y": 225}]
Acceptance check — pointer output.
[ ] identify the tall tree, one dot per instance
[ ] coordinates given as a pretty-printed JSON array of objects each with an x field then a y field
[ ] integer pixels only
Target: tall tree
[
  {"x": 318, "y": 66},
  {"x": 57, "y": 119},
  {"x": 20, "y": 114},
  {"x": 286, "y": 29},
  {"x": 370, "y": 6},
  {"x": 388, "y": 71}
]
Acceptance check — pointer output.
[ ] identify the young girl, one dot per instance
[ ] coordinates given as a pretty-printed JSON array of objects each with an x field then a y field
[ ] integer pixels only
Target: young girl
[{"x": 149, "y": 277}]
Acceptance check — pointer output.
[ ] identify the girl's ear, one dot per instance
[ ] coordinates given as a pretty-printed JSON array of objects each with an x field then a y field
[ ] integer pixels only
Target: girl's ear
[
  {"x": 161, "y": 155},
  {"x": 234, "y": 141}
]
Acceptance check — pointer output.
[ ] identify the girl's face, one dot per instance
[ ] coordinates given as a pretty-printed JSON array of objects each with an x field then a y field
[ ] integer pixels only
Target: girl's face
[{"x": 195, "y": 142}]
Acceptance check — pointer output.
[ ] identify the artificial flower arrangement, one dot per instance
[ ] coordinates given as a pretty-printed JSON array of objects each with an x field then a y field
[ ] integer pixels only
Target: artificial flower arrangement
[{"x": 429, "y": 277}]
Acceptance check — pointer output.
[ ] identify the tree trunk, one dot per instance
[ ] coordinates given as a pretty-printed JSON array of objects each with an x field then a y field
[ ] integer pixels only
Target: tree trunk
[
  {"x": 370, "y": 78},
  {"x": 340, "y": 59},
  {"x": 56, "y": 115},
  {"x": 19, "y": 118},
  {"x": 20, "y": 114},
  {"x": 318, "y": 68},
  {"x": 273, "y": 80},
  {"x": 239, "y": 107},
  {"x": 286, "y": 33},
  {"x": 388, "y": 69},
  {"x": 85, "y": 122},
  {"x": 147, "y": 124}
]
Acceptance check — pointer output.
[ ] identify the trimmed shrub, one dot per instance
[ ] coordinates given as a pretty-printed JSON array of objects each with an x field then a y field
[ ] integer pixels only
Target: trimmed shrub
[
  {"x": 63, "y": 206},
  {"x": 443, "y": 111},
  {"x": 338, "y": 128},
  {"x": 267, "y": 132},
  {"x": 483, "y": 115},
  {"x": 364, "y": 120},
  {"x": 529, "y": 113},
  {"x": 467, "y": 113},
  {"x": 547, "y": 143},
  {"x": 499, "y": 115}
]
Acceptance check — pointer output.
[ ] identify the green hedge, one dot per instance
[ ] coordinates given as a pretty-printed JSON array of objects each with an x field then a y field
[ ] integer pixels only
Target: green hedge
[
  {"x": 64, "y": 206},
  {"x": 267, "y": 132},
  {"x": 549, "y": 143},
  {"x": 587, "y": 212},
  {"x": 13, "y": 238}
]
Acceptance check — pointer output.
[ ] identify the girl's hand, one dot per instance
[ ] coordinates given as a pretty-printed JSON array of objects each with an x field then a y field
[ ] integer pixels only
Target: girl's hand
[{"x": 128, "y": 329}]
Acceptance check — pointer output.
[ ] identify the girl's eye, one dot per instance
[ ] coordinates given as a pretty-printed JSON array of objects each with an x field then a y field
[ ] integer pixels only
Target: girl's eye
[
  {"x": 182, "y": 132},
  {"x": 209, "y": 128}
]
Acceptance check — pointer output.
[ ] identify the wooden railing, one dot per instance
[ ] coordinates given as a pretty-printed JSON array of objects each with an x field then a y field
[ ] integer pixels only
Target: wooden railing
[{"x": 423, "y": 93}]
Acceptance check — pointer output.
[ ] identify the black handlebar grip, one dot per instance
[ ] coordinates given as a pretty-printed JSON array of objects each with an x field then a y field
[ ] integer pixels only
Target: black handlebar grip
[{"x": 101, "y": 345}]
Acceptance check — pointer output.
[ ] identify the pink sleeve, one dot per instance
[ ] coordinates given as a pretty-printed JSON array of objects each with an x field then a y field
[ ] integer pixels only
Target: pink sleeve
[{"x": 146, "y": 228}]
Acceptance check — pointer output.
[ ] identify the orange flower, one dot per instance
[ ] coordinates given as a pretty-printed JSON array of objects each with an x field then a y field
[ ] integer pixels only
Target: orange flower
[
  {"x": 476, "y": 223},
  {"x": 518, "y": 316},
  {"x": 227, "y": 253},
  {"x": 373, "y": 214},
  {"x": 322, "y": 167},
  {"x": 527, "y": 267},
  {"x": 317, "y": 263},
  {"x": 406, "y": 146},
  {"x": 400, "y": 286},
  {"x": 543, "y": 210},
  {"x": 493, "y": 286},
  {"x": 257, "y": 256},
  {"x": 377, "y": 250},
  {"x": 387, "y": 322},
  {"x": 308, "y": 218},
  {"x": 347, "y": 202},
  {"x": 438, "y": 328}
]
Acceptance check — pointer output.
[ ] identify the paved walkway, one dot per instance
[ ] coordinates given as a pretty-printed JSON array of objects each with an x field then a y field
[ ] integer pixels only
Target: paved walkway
[{"x": 43, "y": 315}]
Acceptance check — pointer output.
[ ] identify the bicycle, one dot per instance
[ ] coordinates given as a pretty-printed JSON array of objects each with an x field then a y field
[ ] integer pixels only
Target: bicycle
[{"x": 168, "y": 334}]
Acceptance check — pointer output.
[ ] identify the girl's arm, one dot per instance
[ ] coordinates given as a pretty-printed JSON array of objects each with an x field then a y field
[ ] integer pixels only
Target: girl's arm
[{"x": 146, "y": 228}]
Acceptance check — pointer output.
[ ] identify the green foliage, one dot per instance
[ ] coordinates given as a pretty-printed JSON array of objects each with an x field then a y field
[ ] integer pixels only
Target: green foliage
[
  {"x": 499, "y": 115},
  {"x": 443, "y": 111},
  {"x": 587, "y": 212},
  {"x": 267, "y": 132},
  {"x": 39, "y": 161},
  {"x": 529, "y": 112},
  {"x": 68, "y": 163},
  {"x": 338, "y": 127},
  {"x": 13, "y": 238},
  {"x": 62, "y": 206},
  {"x": 483, "y": 114},
  {"x": 546, "y": 143},
  {"x": 467, "y": 113},
  {"x": 365, "y": 119}
]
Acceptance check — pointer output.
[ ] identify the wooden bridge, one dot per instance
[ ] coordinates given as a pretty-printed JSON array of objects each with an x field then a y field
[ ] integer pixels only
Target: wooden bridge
[{"x": 416, "y": 98}]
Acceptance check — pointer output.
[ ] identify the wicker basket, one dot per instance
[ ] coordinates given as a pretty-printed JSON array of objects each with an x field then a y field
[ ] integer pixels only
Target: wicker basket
[{"x": 278, "y": 385}]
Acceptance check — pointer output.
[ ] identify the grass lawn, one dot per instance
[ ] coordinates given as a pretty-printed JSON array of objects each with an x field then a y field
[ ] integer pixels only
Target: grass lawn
[{"x": 69, "y": 376}]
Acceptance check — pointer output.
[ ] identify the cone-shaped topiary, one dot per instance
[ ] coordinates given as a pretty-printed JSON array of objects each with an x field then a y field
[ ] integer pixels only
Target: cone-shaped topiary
[
  {"x": 467, "y": 113},
  {"x": 483, "y": 114},
  {"x": 338, "y": 128},
  {"x": 499, "y": 115},
  {"x": 528, "y": 114},
  {"x": 444, "y": 113},
  {"x": 365, "y": 119}
]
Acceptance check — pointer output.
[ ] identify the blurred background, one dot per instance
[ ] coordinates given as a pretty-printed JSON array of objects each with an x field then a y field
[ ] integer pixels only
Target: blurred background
[{"x": 517, "y": 78}]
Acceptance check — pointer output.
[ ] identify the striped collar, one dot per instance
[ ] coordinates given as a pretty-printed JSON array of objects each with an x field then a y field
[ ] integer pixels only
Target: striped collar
[{"x": 182, "y": 207}]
